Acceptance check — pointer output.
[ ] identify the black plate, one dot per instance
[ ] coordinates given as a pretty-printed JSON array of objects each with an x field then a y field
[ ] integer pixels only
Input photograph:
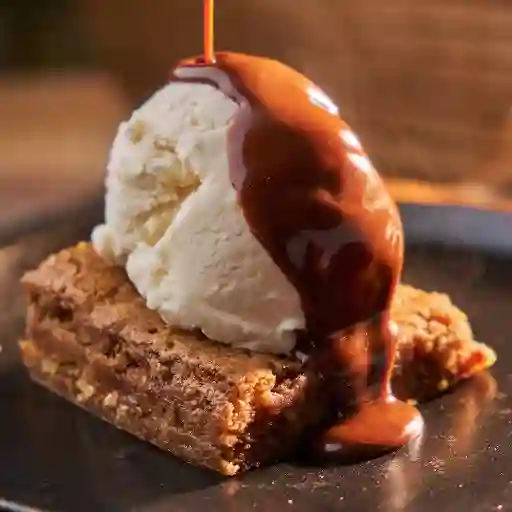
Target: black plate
[{"x": 56, "y": 457}]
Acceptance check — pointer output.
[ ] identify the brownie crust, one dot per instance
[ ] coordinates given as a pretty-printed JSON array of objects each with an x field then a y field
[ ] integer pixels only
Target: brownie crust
[{"x": 91, "y": 339}]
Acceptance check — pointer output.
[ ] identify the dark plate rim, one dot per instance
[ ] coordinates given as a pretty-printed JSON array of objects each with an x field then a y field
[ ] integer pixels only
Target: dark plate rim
[{"x": 452, "y": 225}]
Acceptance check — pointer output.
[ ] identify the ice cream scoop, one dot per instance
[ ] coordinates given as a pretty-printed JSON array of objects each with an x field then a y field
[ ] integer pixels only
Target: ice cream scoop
[{"x": 173, "y": 219}]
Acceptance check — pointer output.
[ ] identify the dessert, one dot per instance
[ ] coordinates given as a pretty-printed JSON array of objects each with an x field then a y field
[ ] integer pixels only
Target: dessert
[
  {"x": 243, "y": 294},
  {"x": 91, "y": 338}
]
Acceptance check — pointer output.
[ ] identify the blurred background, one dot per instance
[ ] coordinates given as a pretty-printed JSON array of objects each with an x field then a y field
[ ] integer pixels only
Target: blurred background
[{"x": 427, "y": 85}]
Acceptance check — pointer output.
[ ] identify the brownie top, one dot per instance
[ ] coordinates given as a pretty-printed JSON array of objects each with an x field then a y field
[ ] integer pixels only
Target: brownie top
[{"x": 80, "y": 277}]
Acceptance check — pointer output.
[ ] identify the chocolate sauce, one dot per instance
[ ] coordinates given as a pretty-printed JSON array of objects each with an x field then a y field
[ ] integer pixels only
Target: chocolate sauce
[{"x": 314, "y": 201}]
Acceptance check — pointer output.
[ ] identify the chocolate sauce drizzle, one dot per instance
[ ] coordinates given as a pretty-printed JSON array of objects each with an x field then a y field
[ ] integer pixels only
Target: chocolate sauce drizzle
[{"x": 313, "y": 199}]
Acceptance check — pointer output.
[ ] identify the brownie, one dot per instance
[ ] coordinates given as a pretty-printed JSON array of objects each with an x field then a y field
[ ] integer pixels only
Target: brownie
[{"x": 91, "y": 339}]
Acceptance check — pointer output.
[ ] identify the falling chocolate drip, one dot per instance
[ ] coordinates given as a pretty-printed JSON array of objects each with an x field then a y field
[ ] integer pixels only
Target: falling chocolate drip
[{"x": 316, "y": 204}]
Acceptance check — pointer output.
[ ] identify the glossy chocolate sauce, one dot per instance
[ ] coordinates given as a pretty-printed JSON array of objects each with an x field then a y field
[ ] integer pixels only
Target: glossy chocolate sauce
[{"x": 316, "y": 204}]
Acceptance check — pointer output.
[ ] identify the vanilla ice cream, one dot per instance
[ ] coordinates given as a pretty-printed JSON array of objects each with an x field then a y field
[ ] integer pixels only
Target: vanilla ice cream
[{"x": 172, "y": 218}]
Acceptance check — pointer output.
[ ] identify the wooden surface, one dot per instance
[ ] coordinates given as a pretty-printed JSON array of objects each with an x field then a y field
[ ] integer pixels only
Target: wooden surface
[
  {"x": 477, "y": 195},
  {"x": 56, "y": 131},
  {"x": 426, "y": 84},
  {"x": 55, "y": 134}
]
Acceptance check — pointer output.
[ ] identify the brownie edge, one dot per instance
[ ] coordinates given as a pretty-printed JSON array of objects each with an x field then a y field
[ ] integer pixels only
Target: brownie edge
[{"x": 91, "y": 339}]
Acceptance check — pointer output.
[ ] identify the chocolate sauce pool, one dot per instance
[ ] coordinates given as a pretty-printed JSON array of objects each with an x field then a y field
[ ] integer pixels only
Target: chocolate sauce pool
[{"x": 314, "y": 201}]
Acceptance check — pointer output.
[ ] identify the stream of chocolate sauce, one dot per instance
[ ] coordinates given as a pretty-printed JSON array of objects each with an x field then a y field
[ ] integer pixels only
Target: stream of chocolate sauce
[{"x": 313, "y": 199}]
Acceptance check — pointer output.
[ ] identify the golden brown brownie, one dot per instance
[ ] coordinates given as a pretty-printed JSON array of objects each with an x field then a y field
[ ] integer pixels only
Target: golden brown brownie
[{"x": 91, "y": 339}]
